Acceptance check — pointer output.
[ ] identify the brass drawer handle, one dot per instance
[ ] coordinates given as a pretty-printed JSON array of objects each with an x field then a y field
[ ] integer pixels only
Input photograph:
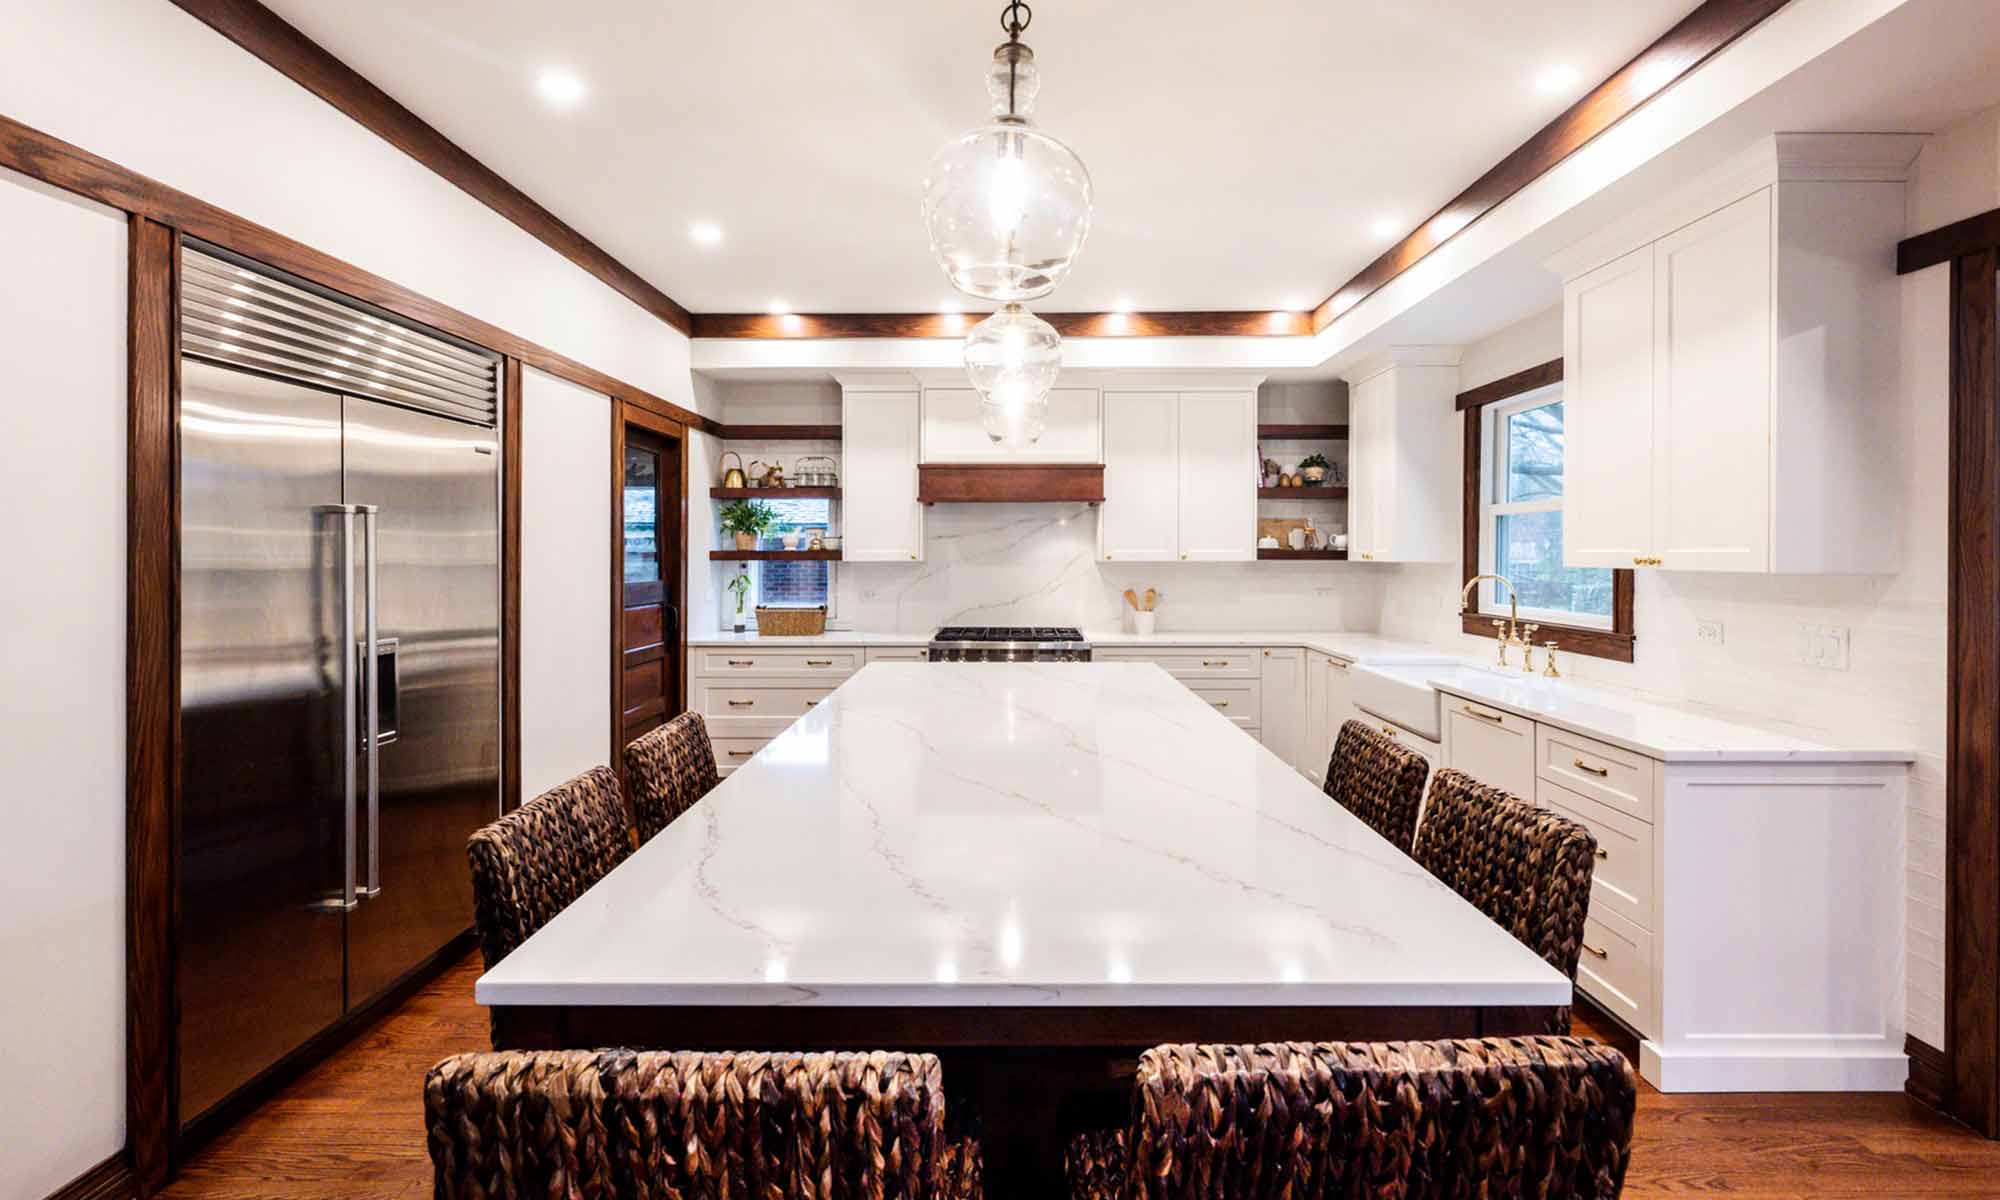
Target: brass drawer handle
[
  {"x": 1220, "y": 703},
  {"x": 1390, "y": 730},
  {"x": 1484, "y": 716},
  {"x": 1214, "y": 662},
  {"x": 1602, "y": 853},
  {"x": 1595, "y": 952},
  {"x": 819, "y": 662},
  {"x": 1585, "y": 767},
  {"x": 742, "y": 662},
  {"x": 741, "y": 753},
  {"x": 742, "y": 704}
]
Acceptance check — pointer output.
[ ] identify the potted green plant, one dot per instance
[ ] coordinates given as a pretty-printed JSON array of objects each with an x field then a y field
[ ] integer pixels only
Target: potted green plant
[
  {"x": 1313, "y": 467},
  {"x": 748, "y": 520},
  {"x": 740, "y": 586}
]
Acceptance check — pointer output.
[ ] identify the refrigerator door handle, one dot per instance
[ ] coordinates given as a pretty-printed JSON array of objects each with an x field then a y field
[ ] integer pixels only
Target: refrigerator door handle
[
  {"x": 372, "y": 656},
  {"x": 349, "y": 708}
]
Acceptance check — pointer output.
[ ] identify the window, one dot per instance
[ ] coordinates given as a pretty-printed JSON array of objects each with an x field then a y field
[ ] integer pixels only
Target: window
[
  {"x": 792, "y": 584},
  {"x": 1515, "y": 485}
]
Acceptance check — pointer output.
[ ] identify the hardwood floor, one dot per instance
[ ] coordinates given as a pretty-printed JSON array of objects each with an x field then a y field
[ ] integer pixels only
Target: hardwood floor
[{"x": 353, "y": 1128}]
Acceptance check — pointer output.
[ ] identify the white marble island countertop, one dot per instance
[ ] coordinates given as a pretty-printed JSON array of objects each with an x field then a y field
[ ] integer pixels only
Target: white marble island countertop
[
  {"x": 1355, "y": 646},
  {"x": 1655, "y": 730},
  {"x": 987, "y": 834}
]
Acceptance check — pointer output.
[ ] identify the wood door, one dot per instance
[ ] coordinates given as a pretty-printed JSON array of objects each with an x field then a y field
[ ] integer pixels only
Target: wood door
[
  {"x": 649, "y": 615},
  {"x": 1608, "y": 414}
]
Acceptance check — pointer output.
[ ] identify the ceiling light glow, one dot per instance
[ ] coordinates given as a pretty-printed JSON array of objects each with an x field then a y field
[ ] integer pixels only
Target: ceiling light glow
[
  {"x": 705, "y": 233},
  {"x": 779, "y": 308},
  {"x": 1386, "y": 227},
  {"x": 560, "y": 88},
  {"x": 1560, "y": 79},
  {"x": 1121, "y": 305}
]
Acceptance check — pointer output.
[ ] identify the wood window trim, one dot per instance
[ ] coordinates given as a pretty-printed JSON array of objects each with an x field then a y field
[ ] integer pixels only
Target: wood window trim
[{"x": 1615, "y": 643}]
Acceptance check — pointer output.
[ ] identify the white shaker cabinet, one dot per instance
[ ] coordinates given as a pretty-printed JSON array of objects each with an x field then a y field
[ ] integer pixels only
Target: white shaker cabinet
[
  {"x": 1218, "y": 476},
  {"x": 1282, "y": 711},
  {"x": 881, "y": 519},
  {"x": 1139, "y": 522},
  {"x": 1404, "y": 486},
  {"x": 1725, "y": 357},
  {"x": 1328, "y": 707}
]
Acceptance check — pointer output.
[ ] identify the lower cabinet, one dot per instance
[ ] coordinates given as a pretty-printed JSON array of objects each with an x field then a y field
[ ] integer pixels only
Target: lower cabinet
[
  {"x": 1743, "y": 919},
  {"x": 748, "y": 696},
  {"x": 1282, "y": 712},
  {"x": 1328, "y": 707}
]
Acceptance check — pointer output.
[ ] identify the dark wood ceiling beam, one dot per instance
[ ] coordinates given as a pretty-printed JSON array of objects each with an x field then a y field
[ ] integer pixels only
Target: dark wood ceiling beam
[
  {"x": 939, "y": 325},
  {"x": 1698, "y": 36},
  {"x": 302, "y": 60}
]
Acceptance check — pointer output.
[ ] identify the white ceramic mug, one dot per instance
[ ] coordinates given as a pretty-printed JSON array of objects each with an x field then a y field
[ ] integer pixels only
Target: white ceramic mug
[{"x": 1142, "y": 622}]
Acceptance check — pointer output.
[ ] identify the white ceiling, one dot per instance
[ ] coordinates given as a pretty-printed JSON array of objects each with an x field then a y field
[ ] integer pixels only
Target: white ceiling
[{"x": 1241, "y": 153}]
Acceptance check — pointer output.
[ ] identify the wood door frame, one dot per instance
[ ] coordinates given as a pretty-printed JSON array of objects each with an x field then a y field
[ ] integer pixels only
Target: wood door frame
[
  {"x": 1965, "y": 1072},
  {"x": 673, "y": 567}
]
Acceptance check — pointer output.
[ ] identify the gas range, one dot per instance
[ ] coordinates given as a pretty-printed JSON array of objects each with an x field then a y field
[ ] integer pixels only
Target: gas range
[{"x": 1009, "y": 643}]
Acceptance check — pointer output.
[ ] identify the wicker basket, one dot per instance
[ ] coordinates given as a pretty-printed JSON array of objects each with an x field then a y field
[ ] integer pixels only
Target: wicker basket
[{"x": 791, "y": 622}]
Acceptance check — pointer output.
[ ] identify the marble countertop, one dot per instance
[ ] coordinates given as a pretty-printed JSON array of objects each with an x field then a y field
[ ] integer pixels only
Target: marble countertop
[
  {"x": 1019, "y": 834},
  {"x": 1352, "y": 646},
  {"x": 1655, "y": 730}
]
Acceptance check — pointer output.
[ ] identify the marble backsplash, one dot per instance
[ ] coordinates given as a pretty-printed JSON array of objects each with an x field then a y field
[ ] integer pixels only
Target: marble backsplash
[{"x": 1037, "y": 564}]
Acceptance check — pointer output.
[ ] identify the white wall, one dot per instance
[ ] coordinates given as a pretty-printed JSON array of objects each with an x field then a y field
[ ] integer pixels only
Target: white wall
[
  {"x": 62, "y": 688},
  {"x": 565, "y": 581}
]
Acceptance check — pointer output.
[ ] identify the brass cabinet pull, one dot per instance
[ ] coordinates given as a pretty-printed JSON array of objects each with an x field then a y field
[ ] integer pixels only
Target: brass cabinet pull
[
  {"x": 1646, "y": 560},
  {"x": 819, "y": 662},
  {"x": 1581, "y": 765},
  {"x": 1595, "y": 952},
  {"x": 1338, "y": 664},
  {"x": 1214, "y": 662},
  {"x": 1390, "y": 730},
  {"x": 742, "y": 662},
  {"x": 1220, "y": 703},
  {"x": 1484, "y": 716},
  {"x": 1603, "y": 853},
  {"x": 742, "y": 703},
  {"x": 741, "y": 753}
]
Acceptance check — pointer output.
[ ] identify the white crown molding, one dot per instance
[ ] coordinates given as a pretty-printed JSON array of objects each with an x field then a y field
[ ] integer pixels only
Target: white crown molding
[
  {"x": 1402, "y": 356},
  {"x": 876, "y": 381}
]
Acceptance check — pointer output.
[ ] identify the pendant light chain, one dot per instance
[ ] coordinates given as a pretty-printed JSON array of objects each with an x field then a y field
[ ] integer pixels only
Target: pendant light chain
[{"x": 1014, "y": 19}]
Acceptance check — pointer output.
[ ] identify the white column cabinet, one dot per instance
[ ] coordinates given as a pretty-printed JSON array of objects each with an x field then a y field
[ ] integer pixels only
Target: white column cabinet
[
  {"x": 1218, "y": 476},
  {"x": 1282, "y": 707},
  {"x": 1405, "y": 490},
  {"x": 881, "y": 519},
  {"x": 1608, "y": 413},
  {"x": 1725, "y": 357},
  {"x": 1138, "y": 523}
]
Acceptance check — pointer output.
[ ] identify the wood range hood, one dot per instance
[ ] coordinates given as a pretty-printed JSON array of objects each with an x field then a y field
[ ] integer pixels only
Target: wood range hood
[{"x": 1010, "y": 483}]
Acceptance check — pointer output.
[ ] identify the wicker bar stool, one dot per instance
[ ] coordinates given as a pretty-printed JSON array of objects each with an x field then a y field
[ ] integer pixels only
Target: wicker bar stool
[
  {"x": 1378, "y": 780},
  {"x": 530, "y": 864},
  {"x": 668, "y": 770},
  {"x": 1525, "y": 867},
  {"x": 1540, "y": 1117},
  {"x": 625, "y": 1125}
]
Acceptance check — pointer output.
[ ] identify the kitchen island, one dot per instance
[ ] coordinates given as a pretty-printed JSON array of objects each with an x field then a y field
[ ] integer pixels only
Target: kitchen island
[{"x": 1017, "y": 865}]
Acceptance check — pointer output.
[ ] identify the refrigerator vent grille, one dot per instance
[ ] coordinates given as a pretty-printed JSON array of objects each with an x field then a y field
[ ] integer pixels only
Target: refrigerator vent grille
[{"x": 235, "y": 315}]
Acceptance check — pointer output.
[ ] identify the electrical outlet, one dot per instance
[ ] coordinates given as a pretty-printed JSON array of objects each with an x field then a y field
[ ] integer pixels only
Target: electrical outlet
[
  {"x": 1824, "y": 646},
  {"x": 1708, "y": 631}
]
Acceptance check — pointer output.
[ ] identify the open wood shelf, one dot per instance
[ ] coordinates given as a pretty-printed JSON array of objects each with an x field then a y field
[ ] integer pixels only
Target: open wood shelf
[
  {"x": 793, "y": 493},
  {"x": 1321, "y": 555},
  {"x": 1332, "y": 433},
  {"x": 1327, "y": 492},
  {"x": 774, "y": 555},
  {"x": 744, "y": 433}
]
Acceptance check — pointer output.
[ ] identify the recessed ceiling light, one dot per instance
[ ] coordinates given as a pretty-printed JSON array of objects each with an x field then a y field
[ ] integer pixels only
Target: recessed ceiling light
[
  {"x": 1292, "y": 304},
  {"x": 950, "y": 308},
  {"x": 1121, "y": 305},
  {"x": 779, "y": 308},
  {"x": 705, "y": 233},
  {"x": 1386, "y": 227},
  {"x": 560, "y": 88},
  {"x": 1560, "y": 78}
]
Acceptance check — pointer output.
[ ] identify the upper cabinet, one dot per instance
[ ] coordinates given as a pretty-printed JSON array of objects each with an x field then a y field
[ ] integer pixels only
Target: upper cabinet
[
  {"x": 1180, "y": 475},
  {"x": 1404, "y": 478},
  {"x": 953, "y": 432},
  {"x": 1726, "y": 359},
  {"x": 881, "y": 520}
]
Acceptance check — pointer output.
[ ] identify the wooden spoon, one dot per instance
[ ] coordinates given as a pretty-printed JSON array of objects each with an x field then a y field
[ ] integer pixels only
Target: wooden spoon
[
  {"x": 1152, "y": 597},
  {"x": 1132, "y": 598}
]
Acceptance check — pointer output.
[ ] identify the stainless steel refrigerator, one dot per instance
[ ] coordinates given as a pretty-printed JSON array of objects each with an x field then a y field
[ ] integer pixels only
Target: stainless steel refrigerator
[{"x": 340, "y": 655}]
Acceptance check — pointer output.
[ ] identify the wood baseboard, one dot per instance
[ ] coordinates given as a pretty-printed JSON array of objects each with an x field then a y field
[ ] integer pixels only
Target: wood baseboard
[
  {"x": 109, "y": 1180},
  {"x": 1928, "y": 1073}
]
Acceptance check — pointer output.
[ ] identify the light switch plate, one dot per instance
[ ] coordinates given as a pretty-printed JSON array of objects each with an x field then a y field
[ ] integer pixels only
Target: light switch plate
[{"x": 1709, "y": 632}]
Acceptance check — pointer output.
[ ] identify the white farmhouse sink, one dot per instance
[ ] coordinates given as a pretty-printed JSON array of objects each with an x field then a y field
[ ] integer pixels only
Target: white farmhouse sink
[{"x": 1401, "y": 693}]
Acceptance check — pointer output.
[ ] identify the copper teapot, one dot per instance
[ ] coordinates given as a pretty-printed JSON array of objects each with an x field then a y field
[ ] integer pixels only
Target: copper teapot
[{"x": 732, "y": 477}]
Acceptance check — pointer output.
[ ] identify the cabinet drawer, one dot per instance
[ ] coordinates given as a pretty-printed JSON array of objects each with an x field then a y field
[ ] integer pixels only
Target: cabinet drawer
[
  {"x": 1229, "y": 662},
  {"x": 898, "y": 654},
  {"x": 839, "y": 663},
  {"x": 1433, "y": 752},
  {"x": 1237, "y": 701},
  {"x": 1615, "y": 968},
  {"x": 1621, "y": 881},
  {"x": 733, "y": 752},
  {"x": 1618, "y": 778},
  {"x": 1496, "y": 748},
  {"x": 720, "y": 699}
]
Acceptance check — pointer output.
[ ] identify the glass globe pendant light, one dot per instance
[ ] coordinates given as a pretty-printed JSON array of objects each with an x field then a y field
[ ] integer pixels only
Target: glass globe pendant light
[
  {"x": 1013, "y": 357},
  {"x": 1007, "y": 208}
]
